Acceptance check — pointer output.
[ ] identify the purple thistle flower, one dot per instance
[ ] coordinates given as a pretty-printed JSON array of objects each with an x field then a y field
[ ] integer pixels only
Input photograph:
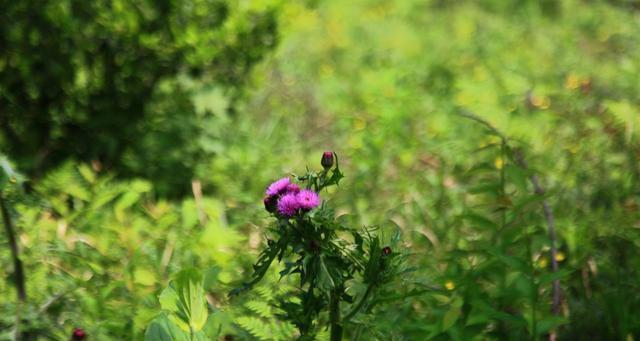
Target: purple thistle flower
[
  {"x": 308, "y": 199},
  {"x": 293, "y": 188},
  {"x": 278, "y": 187},
  {"x": 288, "y": 205}
]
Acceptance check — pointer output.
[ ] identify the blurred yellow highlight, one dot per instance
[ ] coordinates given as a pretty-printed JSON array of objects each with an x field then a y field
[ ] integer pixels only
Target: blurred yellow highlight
[
  {"x": 572, "y": 82},
  {"x": 449, "y": 285}
]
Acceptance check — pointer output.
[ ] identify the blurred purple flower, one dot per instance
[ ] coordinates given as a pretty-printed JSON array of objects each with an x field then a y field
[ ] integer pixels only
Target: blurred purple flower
[
  {"x": 288, "y": 205},
  {"x": 278, "y": 187},
  {"x": 293, "y": 188},
  {"x": 308, "y": 199}
]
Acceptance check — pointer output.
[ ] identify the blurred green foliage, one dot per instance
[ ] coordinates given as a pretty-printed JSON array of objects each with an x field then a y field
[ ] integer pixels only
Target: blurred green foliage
[
  {"x": 380, "y": 82},
  {"x": 104, "y": 81}
]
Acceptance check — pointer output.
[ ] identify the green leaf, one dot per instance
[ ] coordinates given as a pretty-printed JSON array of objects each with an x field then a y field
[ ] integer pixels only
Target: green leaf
[
  {"x": 477, "y": 316},
  {"x": 552, "y": 276},
  {"x": 450, "y": 318},
  {"x": 513, "y": 262},
  {"x": 162, "y": 329},
  {"x": 549, "y": 323},
  {"x": 185, "y": 300},
  {"x": 325, "y": 281},
  {"x": 479, "y": 221},
  {"x": 517, "y": 176},
  {"x": 7, "y": 173},
  {"x": 489, "y": 187},
  {"x": 144, "y": 277}
]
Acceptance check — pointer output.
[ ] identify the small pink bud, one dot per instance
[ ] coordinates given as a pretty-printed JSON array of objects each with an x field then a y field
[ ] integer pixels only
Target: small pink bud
[
  {"x": 270, "y": 203},
  {"x": 327, "y": 160},
  {"x": 78, "y": 335}
]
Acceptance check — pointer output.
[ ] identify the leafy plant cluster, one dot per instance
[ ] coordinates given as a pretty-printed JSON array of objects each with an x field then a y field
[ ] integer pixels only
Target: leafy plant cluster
[
  {"x": 308, "y": 240},
  {"x": 309, "y": 243}
]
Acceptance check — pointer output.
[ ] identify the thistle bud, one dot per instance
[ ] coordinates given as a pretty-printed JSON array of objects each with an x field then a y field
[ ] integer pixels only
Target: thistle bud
[
  {"x": 327, "y": 160},
  {"x": 78, "y": 335},
  {"x": 270, "y": 203},
  {"x": 386, "y": 251}
]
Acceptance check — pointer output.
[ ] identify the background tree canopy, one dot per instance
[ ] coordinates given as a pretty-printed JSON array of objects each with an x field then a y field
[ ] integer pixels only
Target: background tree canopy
[{"x": 105, "y": 81}]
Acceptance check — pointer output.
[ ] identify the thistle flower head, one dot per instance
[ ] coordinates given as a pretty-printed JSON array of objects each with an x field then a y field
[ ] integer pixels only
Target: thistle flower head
[
  {"x": 278, "y": 187},
  {"x": 293, "y": 188},
  {"x": 288, "y": 205},
  {"x": 308, "y": 199}
]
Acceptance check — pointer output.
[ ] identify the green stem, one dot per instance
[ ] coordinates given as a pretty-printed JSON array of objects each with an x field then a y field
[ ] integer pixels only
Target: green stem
[
  {"x": 334, "y": 315},
  {"x": 18, "y": 270},
  {"x": 13, "y": 244},
  {"x": 360, "y": 304}
]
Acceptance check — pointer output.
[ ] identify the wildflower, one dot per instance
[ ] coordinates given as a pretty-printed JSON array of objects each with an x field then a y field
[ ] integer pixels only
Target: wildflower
[
  {"x": 293, "y": 188},
  {"x": 308, "y": 199},
  {"x": 278, "y": 187},
  {"x": 78, "y": 335},
  {"x": 327, "y": 160},
  {"x": 288, "y": 205},
  {"x": 386, "y": 250}
]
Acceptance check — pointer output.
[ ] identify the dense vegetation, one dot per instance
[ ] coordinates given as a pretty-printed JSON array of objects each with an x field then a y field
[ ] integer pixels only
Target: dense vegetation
[{"x": 494, "y": 145}]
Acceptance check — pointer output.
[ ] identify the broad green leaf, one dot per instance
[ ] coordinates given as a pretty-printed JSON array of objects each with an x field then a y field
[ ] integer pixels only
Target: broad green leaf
[
  {"x": 163, "y": 329},
  {"x": 185, "y": 300},
  {"x": 450, "y": 318},
  {"x": 144, "y": 277}
]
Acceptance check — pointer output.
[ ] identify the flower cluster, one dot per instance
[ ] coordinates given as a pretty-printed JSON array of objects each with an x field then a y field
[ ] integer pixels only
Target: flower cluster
[{"x": 286, "y": 198}]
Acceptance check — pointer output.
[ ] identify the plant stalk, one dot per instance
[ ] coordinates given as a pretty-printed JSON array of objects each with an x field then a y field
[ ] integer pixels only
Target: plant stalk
[
  {"x": 360, "y": 304},
  {"x": 13, "y": 245},
  {"x": 334, "y": 315},
  {"x": 18, "y": 270}
]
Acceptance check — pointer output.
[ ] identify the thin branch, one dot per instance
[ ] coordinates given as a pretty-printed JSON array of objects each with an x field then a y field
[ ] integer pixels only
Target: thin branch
[
  {"x": 196, "y": 188},
  {"x": 360, "y": 304},
  {"x": 334, "y": 314},
  {"x": 18, "y": 272},
  {"x": 17, "y": 263},
  {"x": 548, "y": 213}
]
